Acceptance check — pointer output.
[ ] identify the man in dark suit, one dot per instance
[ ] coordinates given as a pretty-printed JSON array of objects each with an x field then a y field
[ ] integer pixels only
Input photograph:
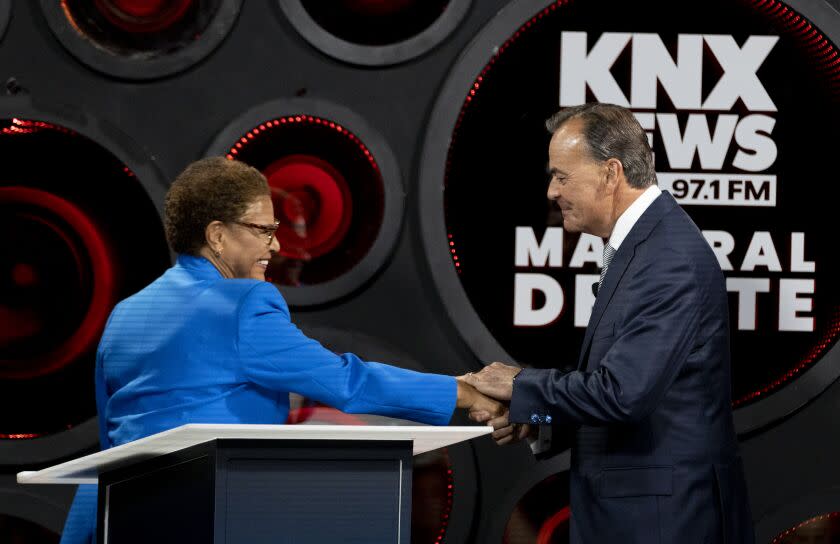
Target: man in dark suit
[{"x": 654, "y": 454}]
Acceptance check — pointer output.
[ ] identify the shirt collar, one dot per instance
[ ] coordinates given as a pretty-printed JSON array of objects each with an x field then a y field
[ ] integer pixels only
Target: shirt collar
[
  {"x": 198, "y": 266},
  {"x": 632, "y": 214}
]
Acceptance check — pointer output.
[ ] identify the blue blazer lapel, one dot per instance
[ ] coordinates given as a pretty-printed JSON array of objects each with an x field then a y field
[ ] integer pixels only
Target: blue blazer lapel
[{"x": 639, "y": 233}]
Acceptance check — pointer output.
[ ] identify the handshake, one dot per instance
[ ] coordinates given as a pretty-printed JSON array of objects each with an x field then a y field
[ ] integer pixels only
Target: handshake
[{"x": 486, "y": 396}]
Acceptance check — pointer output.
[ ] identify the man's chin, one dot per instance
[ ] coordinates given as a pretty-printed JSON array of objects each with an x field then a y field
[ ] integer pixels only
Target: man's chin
[{"x": 568, "y": 226}]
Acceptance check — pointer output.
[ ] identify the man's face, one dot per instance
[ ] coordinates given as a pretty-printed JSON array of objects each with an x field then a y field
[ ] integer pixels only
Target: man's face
[{"x": 577, "y": 183}]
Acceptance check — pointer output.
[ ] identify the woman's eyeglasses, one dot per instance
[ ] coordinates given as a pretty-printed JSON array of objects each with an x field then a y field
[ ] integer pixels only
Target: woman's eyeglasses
[{"x": 265, "y": 230}]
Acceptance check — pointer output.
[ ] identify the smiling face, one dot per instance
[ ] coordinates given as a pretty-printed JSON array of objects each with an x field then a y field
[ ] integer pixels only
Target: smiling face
[
  {"x": 247, "y": 249},
  {"x": 578, "y": 183}
]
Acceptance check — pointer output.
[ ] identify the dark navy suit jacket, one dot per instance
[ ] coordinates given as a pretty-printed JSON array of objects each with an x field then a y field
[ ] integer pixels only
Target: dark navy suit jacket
[{"x": 654, "y": 453}]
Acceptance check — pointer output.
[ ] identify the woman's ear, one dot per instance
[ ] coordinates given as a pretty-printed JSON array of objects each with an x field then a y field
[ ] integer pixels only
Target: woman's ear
[{"x": 214, "y": 236}]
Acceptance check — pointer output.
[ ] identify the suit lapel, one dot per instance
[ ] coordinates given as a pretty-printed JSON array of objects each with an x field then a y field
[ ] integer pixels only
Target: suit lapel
[
  {"x": 614, "y": 274},
  {"x": 639, "y": 233}
]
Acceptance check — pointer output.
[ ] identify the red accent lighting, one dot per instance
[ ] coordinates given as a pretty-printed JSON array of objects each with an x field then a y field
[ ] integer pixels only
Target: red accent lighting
[
  {"x": 823, "y": 524},
  {"x": 551, "y": 524},
  {"x": 321, "y": 414},
  {"x": 24, "y": 275},
  {"x": 309, "y": 119},
  {"x": 313, "y": 204},
  {"x": 23, "y": 126},
  {"x": 103, "y": 283},
  {"x": 143, "y": 16}
]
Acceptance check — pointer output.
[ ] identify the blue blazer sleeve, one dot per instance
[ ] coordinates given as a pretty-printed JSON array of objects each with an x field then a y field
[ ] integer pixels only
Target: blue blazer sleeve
[
  {"x": 80, "y": 525},
  {"x": 276, "y": 355},
  {"x": 644, "y": 358}
]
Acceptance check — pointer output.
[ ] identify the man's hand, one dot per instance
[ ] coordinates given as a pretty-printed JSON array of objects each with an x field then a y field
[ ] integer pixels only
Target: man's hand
[
  {"x": 504, "y": 432},
  {"x": 480, "y": 407},
  {"x": 494, "y": 380},
  {"x": 508, "y": 433}
]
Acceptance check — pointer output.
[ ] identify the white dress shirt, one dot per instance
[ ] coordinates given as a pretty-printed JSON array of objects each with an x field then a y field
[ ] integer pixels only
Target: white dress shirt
[{"x": 632, "y": 214}]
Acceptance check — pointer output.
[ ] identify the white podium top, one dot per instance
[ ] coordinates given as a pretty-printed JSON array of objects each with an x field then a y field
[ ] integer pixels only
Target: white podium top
[{"x": 86, "y": 470}]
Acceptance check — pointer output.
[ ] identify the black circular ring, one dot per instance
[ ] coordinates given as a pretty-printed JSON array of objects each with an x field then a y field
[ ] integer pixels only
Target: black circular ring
[
  {"x": 433, "y": 226},
  {"x": 85, "y": 436},
  {"x": 79, "y": 440},
  {"x": 495, "y": 530},
  {"x": 127, "y": 67},
  {"x": 381, "y": 55},
  {"x": 132, "y": 154},
  {"x": 796, "y": 511},
  {"x": 394, "y": 193}
]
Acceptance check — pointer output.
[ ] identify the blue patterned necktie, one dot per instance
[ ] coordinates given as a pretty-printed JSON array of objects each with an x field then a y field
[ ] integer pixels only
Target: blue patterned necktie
[{"x": 608, "y": 255}]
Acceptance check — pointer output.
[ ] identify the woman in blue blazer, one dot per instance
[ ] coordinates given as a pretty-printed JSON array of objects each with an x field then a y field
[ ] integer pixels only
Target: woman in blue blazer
[{"x": 211, "y": 341}]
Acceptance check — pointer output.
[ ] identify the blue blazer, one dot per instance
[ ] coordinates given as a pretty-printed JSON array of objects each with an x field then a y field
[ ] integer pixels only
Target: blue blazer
[
  {"x": 654, "y": 453},
  {"x": 193, "y": 347}
]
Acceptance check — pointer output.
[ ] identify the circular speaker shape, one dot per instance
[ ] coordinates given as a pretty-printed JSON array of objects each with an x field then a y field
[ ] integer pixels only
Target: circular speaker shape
[
  {"x": 336, "y": 190},
  {"x": 822, "y": 529},
  {"x": 141, "y": 16},
  {"x": 139, "y": 39},
  {"x": 514, "y": 283},
  {"x": 59, "y": 258},
  {"x": 537, "y": 507},
  {"x": 375, "y": 32},
  {"x": 315, "y": 205},
  {"x": 536, "y": 518},
  {"x": 813, "y": 517},
  {"x": 75, "y": 209},
  {"x": 444, "y": 483}
]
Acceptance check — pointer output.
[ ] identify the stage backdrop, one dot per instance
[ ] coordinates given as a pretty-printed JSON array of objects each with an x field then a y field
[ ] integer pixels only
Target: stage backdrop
[{"x": 405, "y": 147}]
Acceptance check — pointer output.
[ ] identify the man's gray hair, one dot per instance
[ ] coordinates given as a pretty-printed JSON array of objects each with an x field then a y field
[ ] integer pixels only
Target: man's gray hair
[{"x": 612, "y": 131}]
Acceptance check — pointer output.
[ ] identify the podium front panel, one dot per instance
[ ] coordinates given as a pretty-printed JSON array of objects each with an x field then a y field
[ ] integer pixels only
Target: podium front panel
[
  {"x": 175, "y": 504},
  {"x": 324, "y": 499},
  {"x": 238, "y": 491}
]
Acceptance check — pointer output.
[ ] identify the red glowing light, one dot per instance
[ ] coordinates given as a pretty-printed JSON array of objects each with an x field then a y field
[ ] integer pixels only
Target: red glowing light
[
  {"x": 817, "y": 519},
  {"x": 24, "y": 126},
  {"x": 551, "y": 524},
  {"x": 447, "y": 511},
  {"x": 143, "y": 16},
  {"x": 322, "y": 414},
  {"x": 103, "y": 284},
  {"x": 309, "y": 119},
  {"x": 19, "y": 436},
  {"x": 24, "y": 275},
  {"x": 313, "y": 203},
  {"x": 312, "y": 199}
]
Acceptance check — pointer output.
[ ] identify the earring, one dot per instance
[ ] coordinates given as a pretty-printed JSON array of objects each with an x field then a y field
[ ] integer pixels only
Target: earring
[{"x": 218, "y": 253}]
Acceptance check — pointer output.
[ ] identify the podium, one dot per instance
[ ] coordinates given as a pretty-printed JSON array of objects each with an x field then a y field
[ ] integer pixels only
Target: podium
[{"x": 236, "y": 484}]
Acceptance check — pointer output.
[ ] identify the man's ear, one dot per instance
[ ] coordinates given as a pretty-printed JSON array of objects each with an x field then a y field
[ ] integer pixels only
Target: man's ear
[{"x": 614, "y": 174}]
